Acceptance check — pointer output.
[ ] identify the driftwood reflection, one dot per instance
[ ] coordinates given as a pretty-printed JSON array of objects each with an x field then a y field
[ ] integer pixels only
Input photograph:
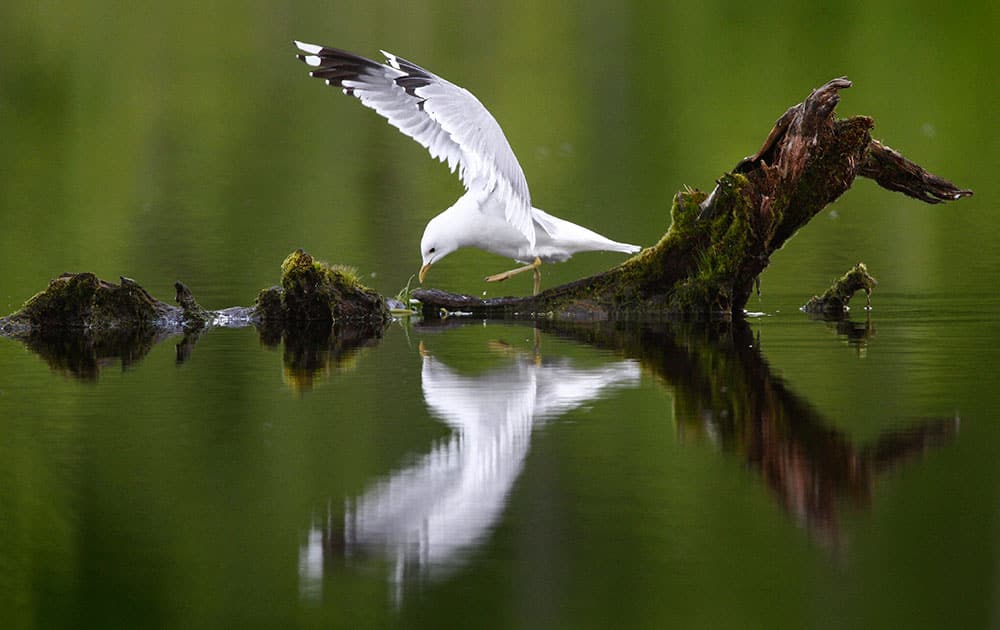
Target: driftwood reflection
[
  {"x": 309, "y": 352},
  {"x": 725, "y": 390},
  {"x": 83, "y": 354},
  {"x": 425, "y": 518},
  {"x": 313, "y": 352},
  {"x": 856, "y": 334}
]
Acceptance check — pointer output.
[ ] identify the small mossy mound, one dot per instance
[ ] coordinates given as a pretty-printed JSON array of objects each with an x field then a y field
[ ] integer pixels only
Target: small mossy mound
[
  {"x": 84, "y": 353},
  {"x": 836, "y": 298},
  {"x": 82, "y": 300},
  {"x": 313, "y": 291}
]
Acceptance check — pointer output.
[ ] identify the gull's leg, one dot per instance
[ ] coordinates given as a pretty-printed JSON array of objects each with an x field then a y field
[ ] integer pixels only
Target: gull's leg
[{"x": 500, "y": 277}]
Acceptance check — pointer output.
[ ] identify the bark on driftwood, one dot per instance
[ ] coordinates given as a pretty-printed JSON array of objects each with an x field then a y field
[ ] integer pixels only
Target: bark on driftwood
[{"x": 718, "y": 244}]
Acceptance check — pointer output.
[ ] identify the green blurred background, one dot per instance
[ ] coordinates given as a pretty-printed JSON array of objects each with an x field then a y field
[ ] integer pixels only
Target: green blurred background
[{"x": 184, "y": 141}]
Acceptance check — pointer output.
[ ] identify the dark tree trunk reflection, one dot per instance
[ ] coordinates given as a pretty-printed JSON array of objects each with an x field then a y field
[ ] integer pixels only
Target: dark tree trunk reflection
[{"x": 724, "y": 388}]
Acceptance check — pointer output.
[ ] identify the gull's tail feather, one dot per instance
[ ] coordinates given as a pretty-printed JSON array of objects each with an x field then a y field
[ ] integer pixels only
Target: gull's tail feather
[
  {"x": 560, "y": 239},
  {"x": 624, "y": 248}
]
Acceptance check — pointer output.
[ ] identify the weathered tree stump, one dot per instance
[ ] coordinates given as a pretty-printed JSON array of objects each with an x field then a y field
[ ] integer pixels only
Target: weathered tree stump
[{"x": 316, "y": 293}]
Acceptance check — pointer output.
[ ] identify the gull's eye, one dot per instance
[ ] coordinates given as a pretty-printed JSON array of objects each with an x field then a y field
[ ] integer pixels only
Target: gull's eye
[{"x": 431, "y": 250}]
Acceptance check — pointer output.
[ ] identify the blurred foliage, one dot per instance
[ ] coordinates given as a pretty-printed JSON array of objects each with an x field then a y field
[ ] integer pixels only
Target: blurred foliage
[{"x": 184, "y": 141}]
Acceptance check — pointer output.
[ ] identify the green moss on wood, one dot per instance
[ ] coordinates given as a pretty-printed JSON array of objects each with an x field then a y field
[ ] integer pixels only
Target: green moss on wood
[
  {"x": 836, "y": 298},
  {"x": 269, "y": 304},
  {"x": 727, "y": 237},
  {"x": 314, "y": 291},
  {"x": 82, "y": 300}
]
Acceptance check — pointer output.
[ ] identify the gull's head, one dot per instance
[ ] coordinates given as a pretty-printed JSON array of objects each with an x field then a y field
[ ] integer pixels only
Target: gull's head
[{"x": 438, "y": 241}]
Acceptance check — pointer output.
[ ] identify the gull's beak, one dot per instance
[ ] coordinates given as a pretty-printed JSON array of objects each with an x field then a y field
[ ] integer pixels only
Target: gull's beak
[{"x": 423, "y": 272}]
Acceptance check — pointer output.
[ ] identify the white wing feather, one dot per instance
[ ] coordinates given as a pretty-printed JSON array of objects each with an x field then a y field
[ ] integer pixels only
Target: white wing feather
[{"x": 444, "y": 118}]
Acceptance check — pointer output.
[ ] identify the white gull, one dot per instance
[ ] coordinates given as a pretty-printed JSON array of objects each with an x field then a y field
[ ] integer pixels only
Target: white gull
[{"x": 495, "y": 213}]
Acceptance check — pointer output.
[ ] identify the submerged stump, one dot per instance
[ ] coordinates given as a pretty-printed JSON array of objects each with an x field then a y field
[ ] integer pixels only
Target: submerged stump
[
  {"x": 838, "y": 296},
  {"x": 315, "y": 292}
]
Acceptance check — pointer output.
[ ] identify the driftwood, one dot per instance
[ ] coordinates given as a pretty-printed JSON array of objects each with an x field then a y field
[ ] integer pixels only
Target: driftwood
[
  {"x": 718, "y": 244},
  {"x": 312, "y": 294}
]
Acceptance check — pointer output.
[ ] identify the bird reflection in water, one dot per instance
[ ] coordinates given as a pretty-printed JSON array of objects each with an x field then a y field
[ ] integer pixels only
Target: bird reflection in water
[{"x": 426, "y": 518}]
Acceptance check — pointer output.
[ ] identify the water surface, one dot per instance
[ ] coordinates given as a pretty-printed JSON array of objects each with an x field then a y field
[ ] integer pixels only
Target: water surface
[{"x": 505, "y": 474}]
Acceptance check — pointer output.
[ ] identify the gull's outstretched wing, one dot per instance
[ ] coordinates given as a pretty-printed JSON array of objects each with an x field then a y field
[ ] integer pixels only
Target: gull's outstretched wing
[{"x": 446, "y": 119}]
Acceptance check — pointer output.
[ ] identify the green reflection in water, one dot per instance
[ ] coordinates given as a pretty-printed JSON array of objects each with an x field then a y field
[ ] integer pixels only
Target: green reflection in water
[{"x": 429, "y": 518}]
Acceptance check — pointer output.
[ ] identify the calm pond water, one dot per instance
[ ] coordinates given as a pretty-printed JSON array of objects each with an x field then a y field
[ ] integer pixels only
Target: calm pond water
[
  {"x": 782, "y": 472},
  {"x": 486, "y": 474}
]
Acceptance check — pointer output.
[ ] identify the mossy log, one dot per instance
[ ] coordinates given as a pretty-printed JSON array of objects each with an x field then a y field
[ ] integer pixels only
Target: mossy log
[
  {"x": 83, "y": 301},
  {"x": 718, "y": 244}
]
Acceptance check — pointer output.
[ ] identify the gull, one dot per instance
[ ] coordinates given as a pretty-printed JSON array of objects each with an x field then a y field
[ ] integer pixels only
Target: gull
[{"x": 495, "y": 213}]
